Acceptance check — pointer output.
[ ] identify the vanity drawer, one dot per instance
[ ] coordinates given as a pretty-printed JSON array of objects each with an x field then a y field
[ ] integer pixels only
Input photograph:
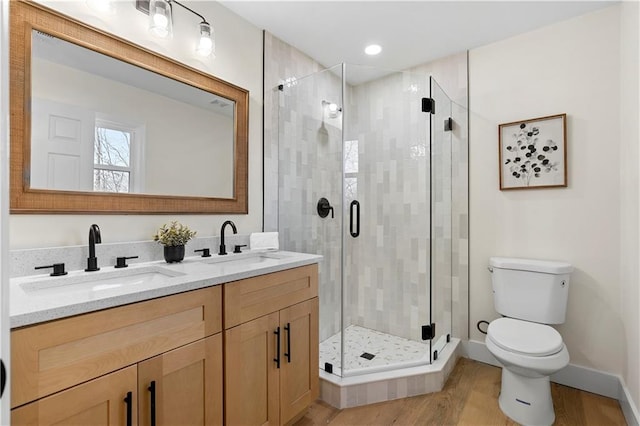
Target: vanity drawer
[
  {"x": 52, "y": 356},
  {"x": 251, "y": 298}
]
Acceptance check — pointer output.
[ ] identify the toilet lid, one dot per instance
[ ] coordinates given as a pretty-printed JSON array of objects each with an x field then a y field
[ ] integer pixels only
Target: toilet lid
[{"x": 524, "y": 337}]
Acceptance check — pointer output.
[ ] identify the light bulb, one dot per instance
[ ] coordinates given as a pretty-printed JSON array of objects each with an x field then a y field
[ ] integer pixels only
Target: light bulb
[{"x": 160, "y": 21}]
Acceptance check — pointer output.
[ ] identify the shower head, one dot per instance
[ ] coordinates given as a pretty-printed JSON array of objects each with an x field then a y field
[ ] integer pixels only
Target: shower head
[{"x": 331, "y": 109}]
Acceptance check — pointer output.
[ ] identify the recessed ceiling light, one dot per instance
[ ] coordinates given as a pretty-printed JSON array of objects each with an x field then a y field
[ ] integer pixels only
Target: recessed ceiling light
[{"x": 372, "y": 49}]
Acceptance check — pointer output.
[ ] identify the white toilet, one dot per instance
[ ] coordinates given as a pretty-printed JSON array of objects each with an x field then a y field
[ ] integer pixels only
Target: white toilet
[{"x": 529, "y": 294}]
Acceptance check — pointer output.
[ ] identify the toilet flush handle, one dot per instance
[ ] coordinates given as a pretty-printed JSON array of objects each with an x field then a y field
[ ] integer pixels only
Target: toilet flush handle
[{"x": 490, "y": 269}]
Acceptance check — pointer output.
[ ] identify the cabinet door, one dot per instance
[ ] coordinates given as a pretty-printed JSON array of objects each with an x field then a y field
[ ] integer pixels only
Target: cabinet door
[
  {"x": 183, "y": 386},
  {"x": 299, "y": 385},
  {"x": 251, "y": 374},
  {"x": 98, "y": 402}
]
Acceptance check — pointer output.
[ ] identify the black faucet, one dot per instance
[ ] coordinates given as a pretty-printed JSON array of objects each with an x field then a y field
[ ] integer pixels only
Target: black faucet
[
  {"x": 94, "y": 238},
  {"x": 223, "y": 248}
]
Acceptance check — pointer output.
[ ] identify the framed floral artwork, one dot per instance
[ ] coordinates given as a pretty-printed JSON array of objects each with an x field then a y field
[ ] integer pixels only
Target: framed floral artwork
[{"x": 533, "y": 153}]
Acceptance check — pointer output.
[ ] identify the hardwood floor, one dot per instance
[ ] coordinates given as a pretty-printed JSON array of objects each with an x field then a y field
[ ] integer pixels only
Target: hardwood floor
[{"x": 470, "y": 397}]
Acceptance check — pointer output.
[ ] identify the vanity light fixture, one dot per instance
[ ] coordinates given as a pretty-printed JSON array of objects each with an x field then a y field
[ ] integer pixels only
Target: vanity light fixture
[
  {"x": 373, "y": 49},
  {"x": 161, "y": 23}
]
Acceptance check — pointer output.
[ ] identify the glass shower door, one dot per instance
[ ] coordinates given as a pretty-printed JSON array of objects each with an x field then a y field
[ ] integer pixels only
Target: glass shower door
[
  {"x": 441, "y": 143},
  {"x": 386, "y": 227}
]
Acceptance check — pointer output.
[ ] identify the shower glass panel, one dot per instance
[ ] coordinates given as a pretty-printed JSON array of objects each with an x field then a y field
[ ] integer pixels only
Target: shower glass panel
[
  {"x": 441, "y": 145},
  {"x": 386, "y": 229},
  {"x": 310, "y": 169},
  {"x": 365, "y": 180}
]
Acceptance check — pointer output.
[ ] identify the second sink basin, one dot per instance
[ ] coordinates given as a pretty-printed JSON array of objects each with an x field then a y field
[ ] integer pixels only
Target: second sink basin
[
  {"x": 99, "y": 281},
  {"x": 243, "y": 259}
]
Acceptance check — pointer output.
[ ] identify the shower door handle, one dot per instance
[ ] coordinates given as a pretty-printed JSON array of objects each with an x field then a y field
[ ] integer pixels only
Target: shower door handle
[{"x": 355, "y": 233}]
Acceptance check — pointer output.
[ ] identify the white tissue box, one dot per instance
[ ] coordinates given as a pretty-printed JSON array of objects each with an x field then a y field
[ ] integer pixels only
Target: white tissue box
[{"x": 264, "y": 241}]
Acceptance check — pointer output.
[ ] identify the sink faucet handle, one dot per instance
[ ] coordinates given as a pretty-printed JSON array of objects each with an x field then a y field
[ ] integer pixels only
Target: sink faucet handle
[
  {"x": 121, "y": 262},
  {"x": 205, "y": 252},
  {"x": 236, "y": 249},
  {"x": 58, "y": 269}
]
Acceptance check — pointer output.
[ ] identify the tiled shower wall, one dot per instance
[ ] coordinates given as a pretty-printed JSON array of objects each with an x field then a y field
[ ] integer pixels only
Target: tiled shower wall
[{"x": 314, "y": 141}]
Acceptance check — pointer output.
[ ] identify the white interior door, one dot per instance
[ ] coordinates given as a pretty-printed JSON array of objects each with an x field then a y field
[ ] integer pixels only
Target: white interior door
[{"x": 62, "y": 146}]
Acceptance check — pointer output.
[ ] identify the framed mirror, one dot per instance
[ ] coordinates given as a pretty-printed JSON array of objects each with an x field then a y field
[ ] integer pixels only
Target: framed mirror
[{"x": 99, "y": 125}]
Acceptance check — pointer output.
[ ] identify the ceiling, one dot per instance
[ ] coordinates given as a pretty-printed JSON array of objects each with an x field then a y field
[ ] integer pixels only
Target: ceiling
[{"x": 410, "y": 32}]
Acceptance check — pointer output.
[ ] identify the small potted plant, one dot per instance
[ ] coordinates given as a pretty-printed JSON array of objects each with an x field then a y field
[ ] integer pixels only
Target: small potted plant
[{"x": 173, "y": 237}]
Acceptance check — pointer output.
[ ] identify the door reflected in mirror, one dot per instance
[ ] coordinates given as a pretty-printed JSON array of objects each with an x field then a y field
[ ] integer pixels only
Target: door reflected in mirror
[{"x": 101, "y": 124}]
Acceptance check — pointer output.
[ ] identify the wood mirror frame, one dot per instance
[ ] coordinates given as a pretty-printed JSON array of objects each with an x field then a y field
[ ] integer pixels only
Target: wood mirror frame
[{"x": 25, "y": 17}]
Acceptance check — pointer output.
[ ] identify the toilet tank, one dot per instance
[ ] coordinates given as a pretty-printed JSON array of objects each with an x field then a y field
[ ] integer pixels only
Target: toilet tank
[{"x": 531, "y": 290}]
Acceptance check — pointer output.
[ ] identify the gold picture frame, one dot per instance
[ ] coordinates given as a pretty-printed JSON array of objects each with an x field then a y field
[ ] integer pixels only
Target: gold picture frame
[{"x": 533, "y": 153}]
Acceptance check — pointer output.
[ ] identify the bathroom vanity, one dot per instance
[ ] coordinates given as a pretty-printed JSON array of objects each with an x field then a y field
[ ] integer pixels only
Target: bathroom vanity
[{"x": 143, "y": 359}]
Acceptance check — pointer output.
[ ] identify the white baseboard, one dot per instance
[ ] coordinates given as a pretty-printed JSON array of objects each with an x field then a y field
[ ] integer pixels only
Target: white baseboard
[
  {"x": 575, "y": 376},
  {"x": 629, "y": 409}
]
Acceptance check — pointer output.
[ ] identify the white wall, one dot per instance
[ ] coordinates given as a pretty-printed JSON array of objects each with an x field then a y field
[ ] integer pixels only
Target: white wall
[
  {"x": 572, "y": 67},
  {"x": 238, "y": 61},
  {"x": 629, "y": 203}
]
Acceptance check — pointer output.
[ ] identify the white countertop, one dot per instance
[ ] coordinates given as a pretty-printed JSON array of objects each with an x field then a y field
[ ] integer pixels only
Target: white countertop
[{"x": 40, "y": 298}]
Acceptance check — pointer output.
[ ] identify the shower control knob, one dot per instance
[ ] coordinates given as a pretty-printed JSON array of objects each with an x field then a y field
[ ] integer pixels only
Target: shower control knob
[{"x": 324, "y": 208}]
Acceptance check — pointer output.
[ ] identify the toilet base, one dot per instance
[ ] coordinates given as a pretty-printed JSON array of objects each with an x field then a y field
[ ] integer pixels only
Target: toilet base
[{"x": 526, "y": 400}]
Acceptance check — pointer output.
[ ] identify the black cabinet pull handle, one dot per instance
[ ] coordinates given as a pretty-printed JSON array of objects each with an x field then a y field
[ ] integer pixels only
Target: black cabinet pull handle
[
  {"x": 277, "y": 358},
  {"x": 287, "y": 328},
  {"x": 355, "y": 233},
  {"x": 129, "y": 401},
  {"x": 152, "y": 390}
]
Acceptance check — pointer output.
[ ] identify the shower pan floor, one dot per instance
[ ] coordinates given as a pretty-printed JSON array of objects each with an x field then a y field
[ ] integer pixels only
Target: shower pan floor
[{"x": 385, "y": 348}]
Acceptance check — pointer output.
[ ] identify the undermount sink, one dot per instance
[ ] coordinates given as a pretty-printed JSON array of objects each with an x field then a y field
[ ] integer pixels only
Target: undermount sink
[
  {"x": 100, "y": 281},
  {"x": 243, "y": 259}
]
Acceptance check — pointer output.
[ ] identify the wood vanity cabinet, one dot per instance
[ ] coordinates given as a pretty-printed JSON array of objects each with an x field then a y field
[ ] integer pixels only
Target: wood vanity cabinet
[
  {"x": 271, "y": 347},
  {"x": 97, "y": 368},
  {"x": 160, "y": 361}
]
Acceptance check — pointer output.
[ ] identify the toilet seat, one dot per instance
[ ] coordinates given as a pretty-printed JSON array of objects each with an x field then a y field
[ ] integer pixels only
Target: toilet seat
[{"x": 524, "y": 337}]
